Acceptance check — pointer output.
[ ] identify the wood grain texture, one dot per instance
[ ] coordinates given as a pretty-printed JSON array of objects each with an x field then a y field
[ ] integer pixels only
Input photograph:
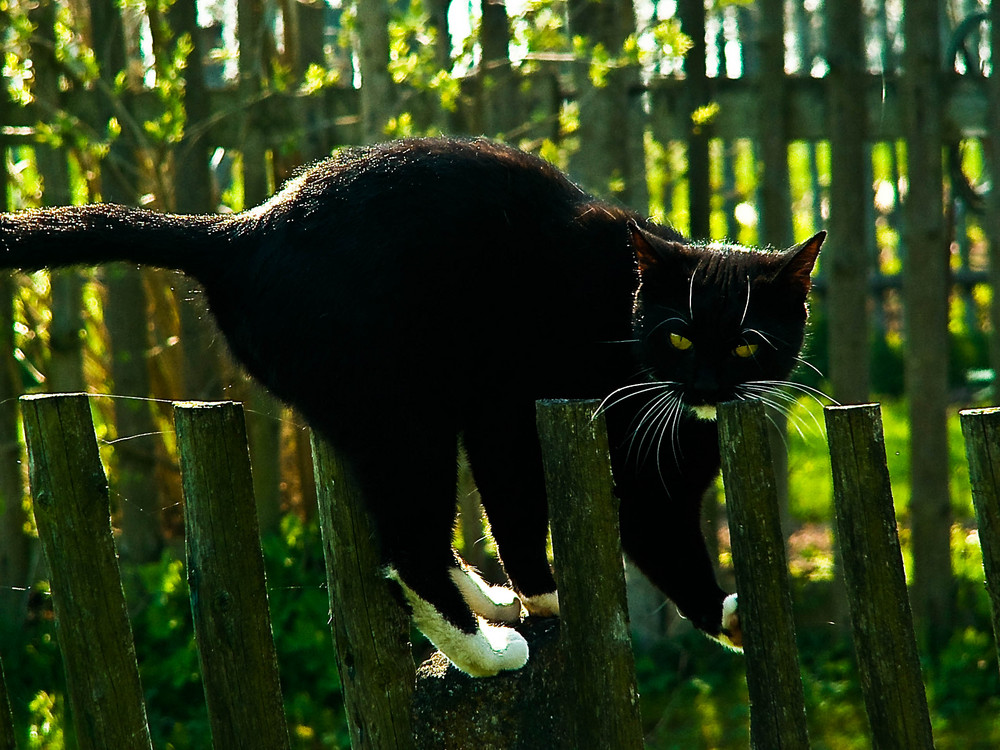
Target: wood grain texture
[
  {"x": 225, "y": 570},
  {"x": 70, "y": 492},
  {"x": 981, "y": 428},
  {"x": 370, "y": 627},
  {"x": 777, "y": 703},
  {"x": 590, "y": 575},
  {"x": 881, "y": 620}
]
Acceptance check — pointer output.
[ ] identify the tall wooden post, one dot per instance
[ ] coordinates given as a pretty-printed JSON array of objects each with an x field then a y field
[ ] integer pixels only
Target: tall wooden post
[
  {"x": 876, "y": 586},
  {"x": 584, "y": 517},
  {"x": 777, "y": 702},
  {"x": 73, "y": 515},
  {"x": 226, "y": 576},
  {"x": 981, "y": 428},
  {"x": 370, "y": 627}
]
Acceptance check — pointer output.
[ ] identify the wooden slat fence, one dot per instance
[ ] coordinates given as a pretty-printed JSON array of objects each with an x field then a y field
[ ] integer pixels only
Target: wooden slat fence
[{"x": 598, "y": 697}]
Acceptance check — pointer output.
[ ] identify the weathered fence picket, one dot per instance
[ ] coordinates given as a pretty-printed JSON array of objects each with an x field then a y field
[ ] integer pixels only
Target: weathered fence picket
[
  {"x": 225, "y": 571},
  {"x": 777, "y": 703},
  {"x": 882, "y": 624},
  {"x": 981, "y": 428},
  {"x": 72, "y": 512},
  {"x": 588, "y": 690},
  {"x": 583, "y": 512},
  {"x": 371, "y": 631}
]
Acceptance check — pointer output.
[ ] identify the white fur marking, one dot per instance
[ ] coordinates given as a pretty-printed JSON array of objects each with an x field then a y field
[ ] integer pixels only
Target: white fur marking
[
  {"x": 705, "y": 411},
  {"x": 495, "y": 603},
  {"x": 543, "y": 605},
  {"x": 732, "y": 634},
  {"x": 491, "y": 649}
]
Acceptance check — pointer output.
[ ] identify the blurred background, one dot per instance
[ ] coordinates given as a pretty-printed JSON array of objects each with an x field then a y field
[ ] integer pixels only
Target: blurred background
[{"x": 753, "y": 121}]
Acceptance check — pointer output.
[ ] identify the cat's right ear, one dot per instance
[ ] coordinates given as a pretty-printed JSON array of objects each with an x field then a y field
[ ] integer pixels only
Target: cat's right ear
[{"x": 650, "y": 251}]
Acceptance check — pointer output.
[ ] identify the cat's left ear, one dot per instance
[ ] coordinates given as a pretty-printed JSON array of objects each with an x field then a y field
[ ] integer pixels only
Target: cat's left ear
[{"x": 798, "y": 261}]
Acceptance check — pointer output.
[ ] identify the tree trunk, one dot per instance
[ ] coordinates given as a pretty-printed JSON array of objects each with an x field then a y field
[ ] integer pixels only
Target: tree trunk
[
  {"x": 992, "y": 222},
  {"x": 775, "y": 226},
  {"x": 125, "y": 313},
  {"x": 193, "y": 194},
  {"x": 377, "y": 95},
  {"x": 846, "y": 254},
  {"x": 610, "y": 160},
  {"x": 925, "y": 290},
  {"x": 498, "y": 86},
  {"x": 692, "y": 17},
  {"x": 64, "y": 372},
  {"x": 772, "y": 115},
  {"x": 15, "y": 546}
]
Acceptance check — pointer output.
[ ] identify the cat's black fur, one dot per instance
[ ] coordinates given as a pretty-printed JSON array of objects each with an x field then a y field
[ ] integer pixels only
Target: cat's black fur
[{"x": 404, "y": 295}]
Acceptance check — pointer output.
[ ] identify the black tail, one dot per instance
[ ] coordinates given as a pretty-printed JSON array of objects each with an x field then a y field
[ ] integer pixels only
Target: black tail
[{"x": 104, "y": 232}]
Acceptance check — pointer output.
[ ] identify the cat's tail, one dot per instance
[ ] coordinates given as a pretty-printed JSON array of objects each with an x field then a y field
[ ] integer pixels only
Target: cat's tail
[{"x": 105, "y": 232}]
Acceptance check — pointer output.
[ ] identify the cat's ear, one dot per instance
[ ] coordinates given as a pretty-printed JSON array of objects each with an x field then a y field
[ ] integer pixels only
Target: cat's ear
[
  {"x": 798, "y": 261},
  {"x": 650, "y": 250}
]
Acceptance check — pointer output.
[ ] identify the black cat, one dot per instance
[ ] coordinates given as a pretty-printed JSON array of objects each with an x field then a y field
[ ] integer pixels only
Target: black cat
[{"x": 403, "y": 295}]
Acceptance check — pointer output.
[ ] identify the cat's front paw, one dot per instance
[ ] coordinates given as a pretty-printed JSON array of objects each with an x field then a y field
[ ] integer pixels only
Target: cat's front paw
[
  {"x": 542, "y": 605},
  {"x": 731, "y": 634}
]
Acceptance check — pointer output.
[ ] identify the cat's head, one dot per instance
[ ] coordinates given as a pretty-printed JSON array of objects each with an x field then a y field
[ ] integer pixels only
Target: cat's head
[{"x": 719, "y": 323}]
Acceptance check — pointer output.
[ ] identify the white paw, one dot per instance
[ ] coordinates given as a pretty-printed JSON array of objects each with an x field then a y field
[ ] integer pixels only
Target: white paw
[
  {"x": 543, "y": 605},
  {"x": 495, "y": 603},
  {"x": 732, "y": 634},
  {"x": 483, "y": 653}
]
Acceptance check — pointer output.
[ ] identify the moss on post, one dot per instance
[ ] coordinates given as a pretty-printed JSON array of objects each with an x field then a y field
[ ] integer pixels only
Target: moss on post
[
  {"x": 371, "y": 629},
  {"x": 586, "y": 543},
  {"x": 981, "y": 428},
  {"x": 777, "y": 702},
  {"x": 226, "y": 576},
  {"x": 876, "y": 585},
  {"x": 70, "y": 491}
]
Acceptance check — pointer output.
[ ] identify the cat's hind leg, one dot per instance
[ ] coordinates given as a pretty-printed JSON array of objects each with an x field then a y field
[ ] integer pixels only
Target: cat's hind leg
[
  {"x": 506, "y": 463},
  {"x": 413, "y": 505},
  {"x": 494, "y": 603}
]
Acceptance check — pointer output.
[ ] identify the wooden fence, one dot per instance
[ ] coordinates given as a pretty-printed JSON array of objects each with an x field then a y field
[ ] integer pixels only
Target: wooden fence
[{"x": 583, "y": 682}]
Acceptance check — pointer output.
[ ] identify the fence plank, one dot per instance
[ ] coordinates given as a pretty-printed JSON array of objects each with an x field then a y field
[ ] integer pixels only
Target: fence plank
[
  {"x": 592, "y": 600},
  {"x": 72, "y": 511},
  {"x": 371, "y": 630},
  {"x": 981, "y": 428},
  {"x": 777, "y": 715},
  {"x": 7, "y": 738},
  {"x": 226, "y": 576},
  {"x": 873, "y": 569}
]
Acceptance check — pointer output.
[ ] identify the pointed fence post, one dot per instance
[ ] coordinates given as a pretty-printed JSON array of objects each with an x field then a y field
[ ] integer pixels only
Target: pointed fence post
[
  {"x": 881, "y": 620},
  {"x": 226, "y": 577},
  {"x": 777, "y": 701},
  {"x": 72, "y": 511},
  {"x": 594, "y": 628},
  {"x": 981, "y": 428},
  {"x": 370, "y": 627}
]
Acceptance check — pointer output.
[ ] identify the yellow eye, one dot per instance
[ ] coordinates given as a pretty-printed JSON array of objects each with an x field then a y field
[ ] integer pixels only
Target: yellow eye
[
  {"x": 680, "y": 342},
  {"x": 745, "y": 350}
]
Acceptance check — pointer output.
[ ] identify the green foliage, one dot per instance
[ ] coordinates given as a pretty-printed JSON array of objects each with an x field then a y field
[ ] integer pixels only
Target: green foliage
[{"x": 158, "y": 599}]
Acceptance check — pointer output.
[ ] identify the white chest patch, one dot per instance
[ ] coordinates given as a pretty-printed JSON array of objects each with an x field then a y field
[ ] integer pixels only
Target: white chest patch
[{"x": 705, "y": 411}]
